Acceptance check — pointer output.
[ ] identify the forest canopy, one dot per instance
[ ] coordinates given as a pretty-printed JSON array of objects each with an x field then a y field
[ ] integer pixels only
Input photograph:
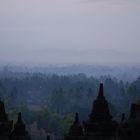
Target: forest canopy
[{"x": 48, "y": 102}]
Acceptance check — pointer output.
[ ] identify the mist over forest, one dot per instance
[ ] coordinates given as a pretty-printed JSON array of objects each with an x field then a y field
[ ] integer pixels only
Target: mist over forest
[
  {"x": 70, "y": 69},
  {"x": 120, "y": 72},
  {"x": 48, "y": 97}
]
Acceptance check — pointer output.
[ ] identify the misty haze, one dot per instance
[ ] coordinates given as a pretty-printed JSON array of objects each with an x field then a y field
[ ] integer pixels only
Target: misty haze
[{"x": 69, "y": 70}]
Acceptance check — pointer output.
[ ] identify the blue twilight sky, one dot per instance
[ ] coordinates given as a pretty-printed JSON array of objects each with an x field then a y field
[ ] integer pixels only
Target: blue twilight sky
[{"x": 70, "y": 32}]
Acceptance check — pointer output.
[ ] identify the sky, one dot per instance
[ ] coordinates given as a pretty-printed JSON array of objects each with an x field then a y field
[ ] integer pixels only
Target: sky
[{"x": 65, "y": 32}]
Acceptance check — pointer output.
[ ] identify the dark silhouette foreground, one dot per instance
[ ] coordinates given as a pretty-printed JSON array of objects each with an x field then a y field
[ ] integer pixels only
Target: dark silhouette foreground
[{"x": 99, "y": 126}]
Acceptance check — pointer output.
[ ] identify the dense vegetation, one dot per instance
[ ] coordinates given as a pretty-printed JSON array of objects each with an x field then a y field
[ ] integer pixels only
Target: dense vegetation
[{"x": 48, "y": 102}]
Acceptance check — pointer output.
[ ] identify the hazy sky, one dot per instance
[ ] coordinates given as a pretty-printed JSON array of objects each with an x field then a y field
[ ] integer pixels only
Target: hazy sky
[{"x": 70, "y": 32}]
